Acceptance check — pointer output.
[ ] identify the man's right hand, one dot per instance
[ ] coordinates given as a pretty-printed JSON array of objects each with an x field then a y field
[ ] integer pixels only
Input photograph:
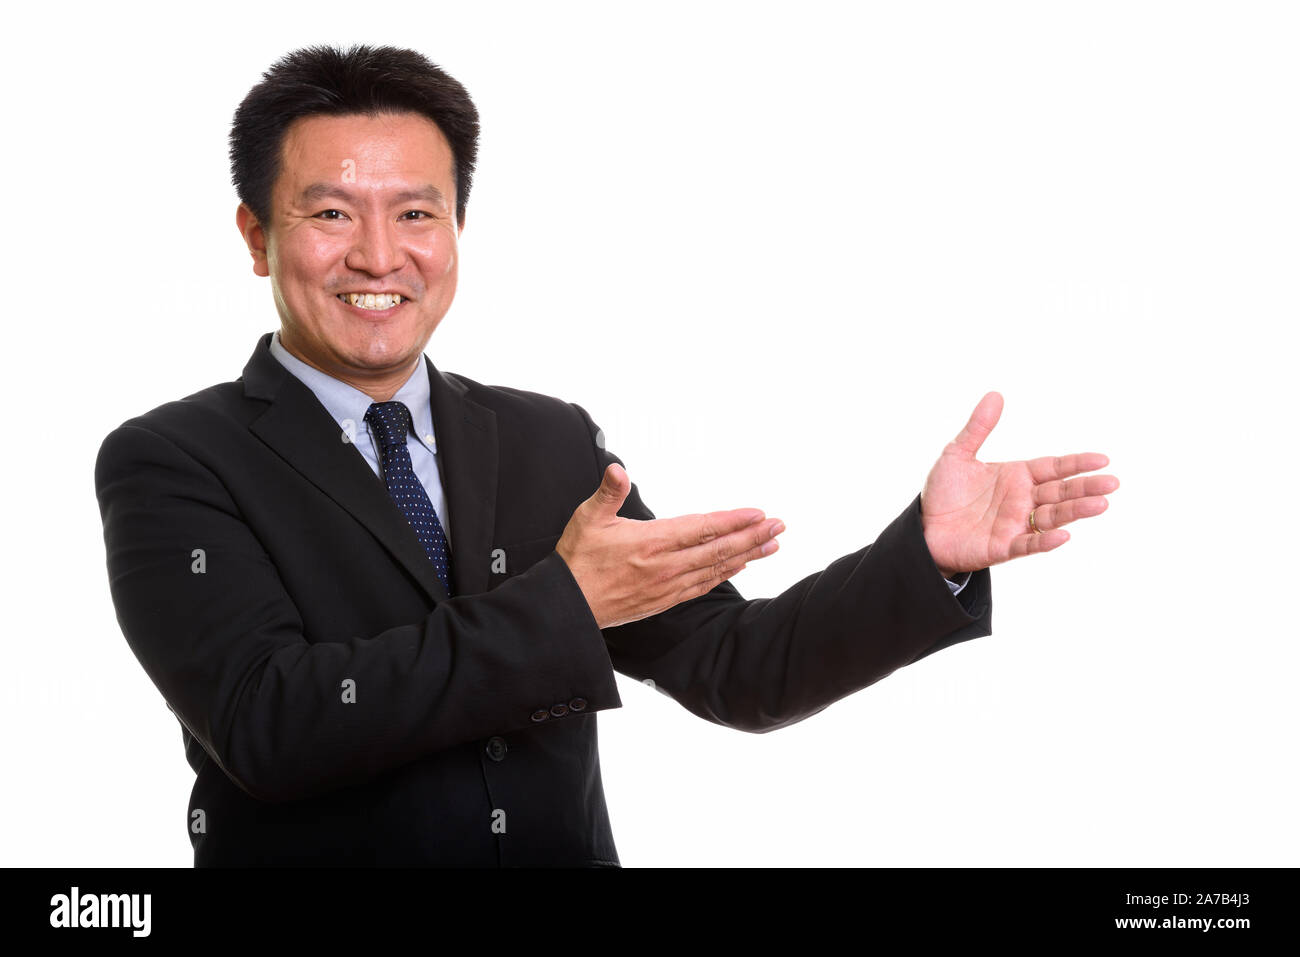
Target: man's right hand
[{"x": 629, "y": 569}]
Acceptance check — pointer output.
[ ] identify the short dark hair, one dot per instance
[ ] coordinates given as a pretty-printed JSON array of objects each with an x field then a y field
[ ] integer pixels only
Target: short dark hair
[{"x": 329, "y": 81}]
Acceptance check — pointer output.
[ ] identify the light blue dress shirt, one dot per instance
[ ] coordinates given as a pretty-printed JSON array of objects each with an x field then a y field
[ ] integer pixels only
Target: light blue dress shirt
[{"x": 348, "y": 406}]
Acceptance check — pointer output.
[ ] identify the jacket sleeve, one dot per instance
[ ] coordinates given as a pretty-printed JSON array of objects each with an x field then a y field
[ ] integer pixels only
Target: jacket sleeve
[
  {"x": 762, "y": 664},
  {"x": 205, "y": 612}
]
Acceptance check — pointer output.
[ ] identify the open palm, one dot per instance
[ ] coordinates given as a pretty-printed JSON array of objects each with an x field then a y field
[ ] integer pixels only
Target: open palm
[{"x": 975, "y": 514}]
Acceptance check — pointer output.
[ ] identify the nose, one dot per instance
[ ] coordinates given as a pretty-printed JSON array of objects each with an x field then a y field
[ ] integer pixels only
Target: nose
[{"x": 377, "y": 249}]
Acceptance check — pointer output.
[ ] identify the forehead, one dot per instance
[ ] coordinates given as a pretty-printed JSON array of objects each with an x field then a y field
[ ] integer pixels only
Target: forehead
[{"x": 381, "y": 149}]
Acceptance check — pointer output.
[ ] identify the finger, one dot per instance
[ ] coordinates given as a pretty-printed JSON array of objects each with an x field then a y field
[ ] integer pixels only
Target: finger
[
  {"x": 688, "y": 531},
  {"x": 1049, "y": 467},
  {"x": 1054, "y": 516},
  {"x": 762, "y": 545},
  {"x": 981, "y": 423},
  {"x": 1054, "y": 492},
  {"x": 746, "y": 545},
  {"x": 703, "y": 584},
  {"x": 1032, "y": 544}
]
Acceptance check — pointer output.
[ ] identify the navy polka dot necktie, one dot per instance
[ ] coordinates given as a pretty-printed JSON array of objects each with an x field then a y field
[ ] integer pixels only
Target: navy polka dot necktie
[{"x": 391, "y": 422}]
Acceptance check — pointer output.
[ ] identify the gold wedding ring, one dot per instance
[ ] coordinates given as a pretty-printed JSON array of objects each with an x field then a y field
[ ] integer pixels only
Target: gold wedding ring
[{"x": 1033, "y": 527}]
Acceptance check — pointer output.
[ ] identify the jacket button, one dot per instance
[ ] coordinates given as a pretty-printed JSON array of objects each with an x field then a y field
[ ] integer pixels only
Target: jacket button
[
  {"x": 541, "y": 714},
  {"x": 496, "y": 749},
  {"x": 560, "y": 710},
  {"x": 577, "y": 704}
]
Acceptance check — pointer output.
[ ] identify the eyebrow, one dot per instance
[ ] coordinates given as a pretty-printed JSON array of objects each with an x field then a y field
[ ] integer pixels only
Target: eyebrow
[{"x": 426, "y": 193}]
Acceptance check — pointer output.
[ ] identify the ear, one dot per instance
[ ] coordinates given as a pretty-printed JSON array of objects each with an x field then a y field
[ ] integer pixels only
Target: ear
[{"x": 254, "y": 237}]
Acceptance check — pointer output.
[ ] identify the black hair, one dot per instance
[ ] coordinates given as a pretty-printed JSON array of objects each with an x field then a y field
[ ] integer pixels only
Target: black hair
[{"x": 329, "y": 81}]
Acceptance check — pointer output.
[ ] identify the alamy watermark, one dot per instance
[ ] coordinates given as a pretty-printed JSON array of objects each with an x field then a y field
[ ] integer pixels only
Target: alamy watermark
[{"x": 102, "y": 910}]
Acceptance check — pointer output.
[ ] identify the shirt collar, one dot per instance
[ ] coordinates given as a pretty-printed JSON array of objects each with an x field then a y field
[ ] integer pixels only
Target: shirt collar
[{"x": 349, "y": 404}]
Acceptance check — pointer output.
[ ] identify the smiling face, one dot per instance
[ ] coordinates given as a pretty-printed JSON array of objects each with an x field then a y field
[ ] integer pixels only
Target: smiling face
[{"x": 363, "y": 206}]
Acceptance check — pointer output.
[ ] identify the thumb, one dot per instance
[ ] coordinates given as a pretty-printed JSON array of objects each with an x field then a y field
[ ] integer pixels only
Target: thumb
[
  {"x": 981, "y": 423},
  {"x": 614, "y": 487}
]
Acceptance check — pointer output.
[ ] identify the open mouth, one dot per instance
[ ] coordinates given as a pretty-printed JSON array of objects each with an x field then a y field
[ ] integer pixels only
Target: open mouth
[{"x": 371, "y": 301}]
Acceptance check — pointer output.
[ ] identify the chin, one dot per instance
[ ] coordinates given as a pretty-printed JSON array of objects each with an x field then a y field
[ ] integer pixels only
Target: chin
[{"x": 380, "y": 350}]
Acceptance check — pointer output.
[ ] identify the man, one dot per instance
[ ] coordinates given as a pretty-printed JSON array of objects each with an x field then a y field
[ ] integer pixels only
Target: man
[{"x": 383, "y": 600}]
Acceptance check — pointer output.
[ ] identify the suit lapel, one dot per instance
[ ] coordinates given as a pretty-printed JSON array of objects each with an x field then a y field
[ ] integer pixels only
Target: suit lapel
[{"x": 299, "y": 429}]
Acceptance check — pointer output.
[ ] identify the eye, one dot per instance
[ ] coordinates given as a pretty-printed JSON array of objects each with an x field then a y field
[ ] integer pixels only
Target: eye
[
  {"x": 325, "y": 214},
  {"x": 416, "y": 212}
]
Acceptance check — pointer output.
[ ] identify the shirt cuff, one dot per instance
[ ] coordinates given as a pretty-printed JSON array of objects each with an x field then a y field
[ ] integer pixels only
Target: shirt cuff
[{"x": 962, "y": 581}]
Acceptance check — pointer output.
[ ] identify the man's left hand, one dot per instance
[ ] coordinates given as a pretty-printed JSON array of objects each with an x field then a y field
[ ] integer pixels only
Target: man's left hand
[{"x": 976, "y": 514}]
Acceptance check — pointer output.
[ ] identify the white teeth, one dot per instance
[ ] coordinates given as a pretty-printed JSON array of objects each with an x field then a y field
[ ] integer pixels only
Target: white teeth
[{"x": 368, "y": 300}]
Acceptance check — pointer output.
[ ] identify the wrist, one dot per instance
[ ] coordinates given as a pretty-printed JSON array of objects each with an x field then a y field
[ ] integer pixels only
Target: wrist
[{"x": 944, "y": 571}]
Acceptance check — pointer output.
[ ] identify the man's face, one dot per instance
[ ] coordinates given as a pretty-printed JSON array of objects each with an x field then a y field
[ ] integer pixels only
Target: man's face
[{"x": 363, "y": 205}]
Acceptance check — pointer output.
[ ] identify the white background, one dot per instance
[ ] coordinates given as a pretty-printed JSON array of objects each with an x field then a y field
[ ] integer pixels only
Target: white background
[{"x": 785, "y": 248}]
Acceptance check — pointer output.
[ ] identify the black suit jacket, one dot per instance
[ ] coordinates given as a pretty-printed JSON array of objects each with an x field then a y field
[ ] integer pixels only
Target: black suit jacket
[{"x": 338, "y": 708}]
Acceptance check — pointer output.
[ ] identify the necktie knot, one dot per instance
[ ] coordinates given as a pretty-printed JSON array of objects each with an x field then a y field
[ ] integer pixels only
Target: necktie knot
[{"x": 391, "y": 422}]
